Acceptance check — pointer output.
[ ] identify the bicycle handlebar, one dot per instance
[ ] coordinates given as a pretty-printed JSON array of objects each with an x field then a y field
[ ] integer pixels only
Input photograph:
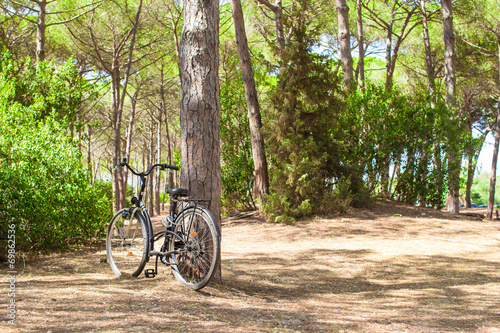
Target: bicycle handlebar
[{"x": 162, "y": 166}]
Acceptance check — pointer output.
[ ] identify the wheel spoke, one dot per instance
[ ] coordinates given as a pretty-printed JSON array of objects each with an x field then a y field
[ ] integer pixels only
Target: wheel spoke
[
  {"x": 195, "y": 264},
  {"x": 126, "y": 245}
]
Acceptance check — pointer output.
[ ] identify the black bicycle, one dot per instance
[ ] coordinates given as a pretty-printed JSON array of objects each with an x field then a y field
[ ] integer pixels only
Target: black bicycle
[{"x": 190, "y": 243}]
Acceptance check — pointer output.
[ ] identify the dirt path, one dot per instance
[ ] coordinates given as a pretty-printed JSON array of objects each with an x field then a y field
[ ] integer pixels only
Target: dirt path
[{"x": 391, "y": 268}]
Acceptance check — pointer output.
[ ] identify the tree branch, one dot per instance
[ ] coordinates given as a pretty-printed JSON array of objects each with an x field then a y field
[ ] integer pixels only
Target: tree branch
[
  {"x": 74, "y": 17},
  {"x": 268, "y": 5},
  {"x": 18, "y": 15}
]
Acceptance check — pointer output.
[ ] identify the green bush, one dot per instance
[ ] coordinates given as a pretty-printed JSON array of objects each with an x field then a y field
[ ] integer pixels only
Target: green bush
[
  {"x": 310, "y": 163},
  {"x": 480, "y": 191},
  {"x": 44, "y": 188}
]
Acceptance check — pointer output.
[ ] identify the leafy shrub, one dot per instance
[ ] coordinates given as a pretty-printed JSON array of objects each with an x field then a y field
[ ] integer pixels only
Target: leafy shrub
[
  {"x": 308, "y": 154},
  {"x": 44, "y": 187}
]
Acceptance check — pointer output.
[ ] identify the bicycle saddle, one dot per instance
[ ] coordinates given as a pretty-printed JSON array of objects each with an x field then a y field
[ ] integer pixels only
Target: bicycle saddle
[{"x": 178, "y": 192}]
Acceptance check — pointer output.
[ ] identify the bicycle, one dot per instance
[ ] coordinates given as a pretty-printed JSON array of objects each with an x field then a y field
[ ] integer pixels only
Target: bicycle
[{"x": 191, "y": 239}]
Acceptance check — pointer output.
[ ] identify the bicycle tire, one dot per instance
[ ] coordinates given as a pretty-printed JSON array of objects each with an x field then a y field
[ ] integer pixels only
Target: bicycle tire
[
  {"x": 127, "y": 244},
  {"x": 194, "y": 263}
]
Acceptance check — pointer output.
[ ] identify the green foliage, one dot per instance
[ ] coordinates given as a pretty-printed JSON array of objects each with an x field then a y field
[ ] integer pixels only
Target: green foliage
[
  {"x": 306, "y": 135},
  {"x": 480, "y": 191},
  {"x": 44, "y": 188}
]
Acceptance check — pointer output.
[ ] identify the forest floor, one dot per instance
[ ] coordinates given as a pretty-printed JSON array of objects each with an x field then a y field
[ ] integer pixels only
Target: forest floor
[{"x": 389, "y": 268}]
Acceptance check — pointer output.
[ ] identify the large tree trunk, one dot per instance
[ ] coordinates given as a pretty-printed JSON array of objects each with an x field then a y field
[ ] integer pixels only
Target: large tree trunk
[
  {"x": 254, "y": 117},
  {"x": 200, "y": 107},
  {"x": 345, "y": 42},
  {"x": 454, "y": 157}
]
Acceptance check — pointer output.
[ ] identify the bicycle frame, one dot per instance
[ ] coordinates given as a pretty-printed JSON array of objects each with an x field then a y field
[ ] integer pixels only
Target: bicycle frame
[
  {"x": 137, "y": 202},
  {"x": 168, "y": 234}
]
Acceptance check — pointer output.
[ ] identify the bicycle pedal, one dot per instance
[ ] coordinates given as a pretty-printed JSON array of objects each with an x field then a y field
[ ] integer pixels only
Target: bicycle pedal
[{"x": 150, "y": 273}]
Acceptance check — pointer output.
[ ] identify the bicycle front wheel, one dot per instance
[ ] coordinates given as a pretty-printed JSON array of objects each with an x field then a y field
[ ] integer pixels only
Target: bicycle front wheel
[
  {"x": 194, "y": 258},
  {"x": 127, "y": 243}
]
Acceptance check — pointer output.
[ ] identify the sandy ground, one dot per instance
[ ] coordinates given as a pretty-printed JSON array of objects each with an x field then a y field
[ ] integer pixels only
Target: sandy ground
[{"x": 390, "y": 268}]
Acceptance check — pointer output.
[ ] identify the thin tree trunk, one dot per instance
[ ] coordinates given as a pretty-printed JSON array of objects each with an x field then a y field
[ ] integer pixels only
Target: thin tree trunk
[
  {"x": 169, "y": 147},
  {"x": 454, "y": 157},
  {"x": 163, "y": 111},
  {"x": 278, "y": 19},
  {"x": 371, "y": 175},
  {"x": 119, "y": 99},
  {"x": 397, "y": 164},
  {"x": 388, "y": 54},
  {"x": 150, "y": 179},
  {"x": 200, "y": 107},
  {"x": 40, "y": 30},
  {"x": 117, "y": 120},
  {"x": 345, "y": 42},
  {"x": 254, "y": 117},
  {"x": 280, "y": 35},
  {"x": 158, "y": 172},
  {"x": 494, "y": 161},
  {"x": 128, "y": 139},
  {"x": 428, "y": 51},
  {"x": 493, "y": 176},
  {"x": 472, "y": 153},
  {"x": 89, "y": 154},
  {"x": 423, "y": 170},
  {"x": 470, "y": 176},
  {"x": 360, "y": 70}
]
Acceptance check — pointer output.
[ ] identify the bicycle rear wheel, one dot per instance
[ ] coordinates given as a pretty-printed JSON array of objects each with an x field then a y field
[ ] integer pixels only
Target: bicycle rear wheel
[
  {"x": 127, "y": 243},
  {"x": 195, "y": 257}
]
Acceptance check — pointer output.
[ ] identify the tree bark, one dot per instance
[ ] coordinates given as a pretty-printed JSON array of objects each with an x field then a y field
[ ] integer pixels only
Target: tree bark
[
  {"x": 454, "y": 157},
  {"x": 40, "y": 30},
  {"x": 89, "y": 154},
  {"x": 429, "y": 66},
  {"x": 151, "y": 178},
  {"x": 449, "y": 52},
  {"x": 157, "y": 171},
  {"x": 117, "y": 121},
  {"x": 278, "y": 19},
  {"x": 200, "y": 106},
  {"x": 169, "y": 147},
  {"x": 345, "y": 42},
  {"x": 258, "y": 150},
  {"x": 423, "y": 171},
  {"x": 118, "y": 96},
  {"x": 128, "y": 138},
  {"x": 360, "y": 70},
  {"x": 493, "y": 176}
]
